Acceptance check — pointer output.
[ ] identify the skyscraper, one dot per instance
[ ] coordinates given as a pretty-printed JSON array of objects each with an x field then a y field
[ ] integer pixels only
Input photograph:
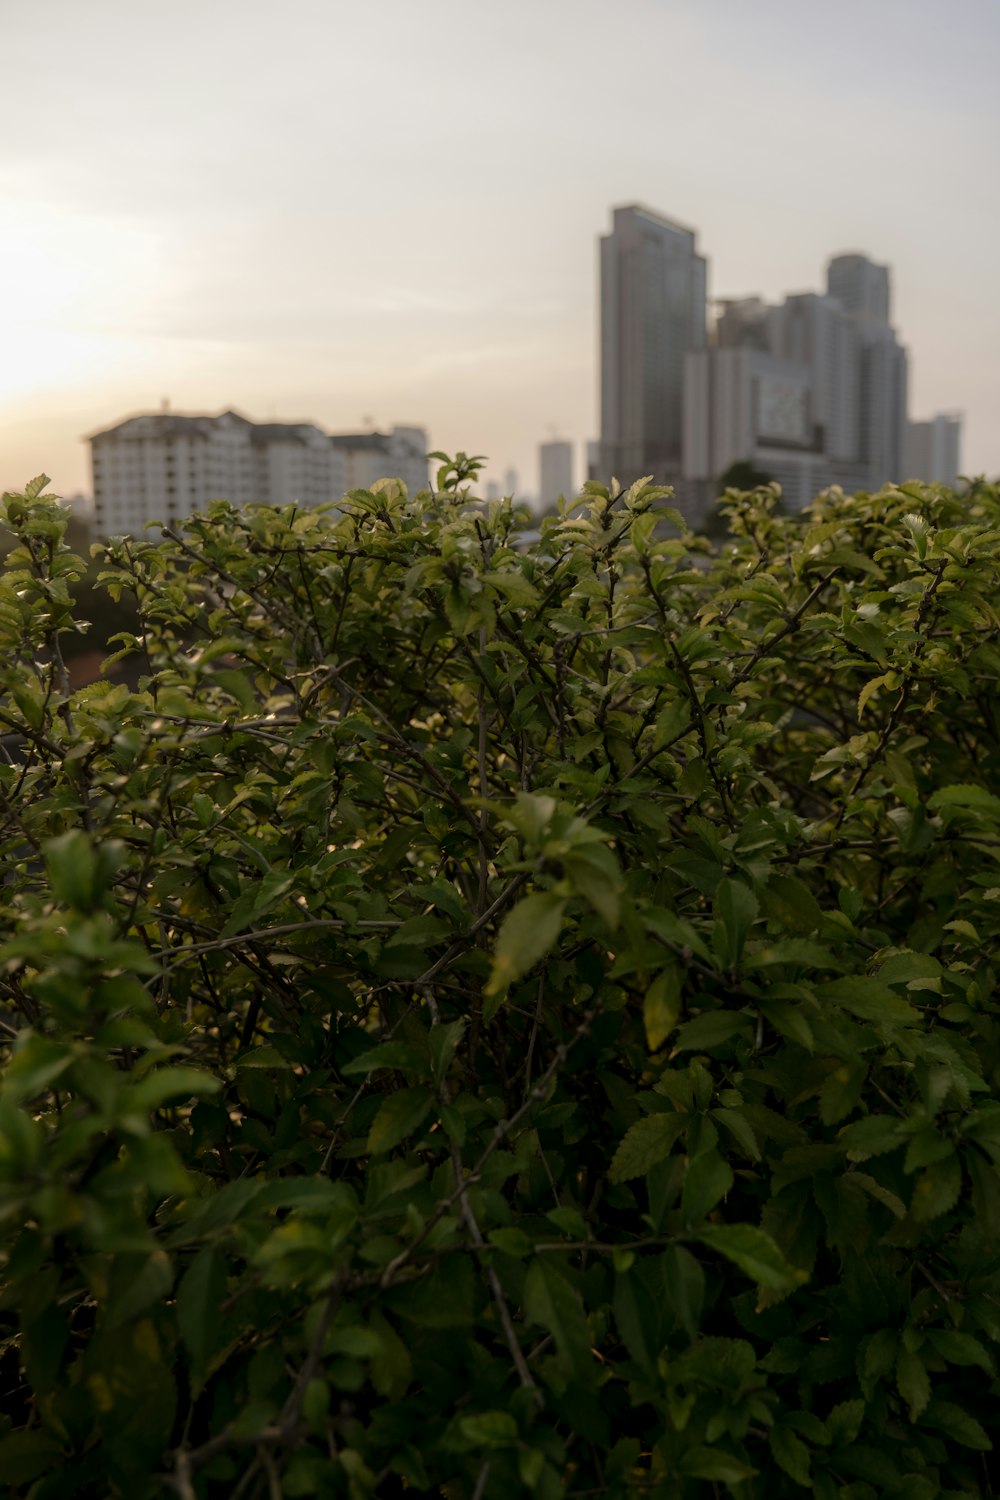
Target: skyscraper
[
  {"x": 862, "y": 289},
  {"x": 555, "y": 472},
  {"x": 653, "y": 288},
  {"x": 859, "y": 285}
]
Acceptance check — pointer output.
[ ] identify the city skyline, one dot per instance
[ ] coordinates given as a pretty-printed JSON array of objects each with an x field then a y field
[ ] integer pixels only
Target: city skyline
[{"x": 392, "y": 214}]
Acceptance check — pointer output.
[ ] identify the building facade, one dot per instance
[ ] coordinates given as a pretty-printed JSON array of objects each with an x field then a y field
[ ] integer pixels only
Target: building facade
[
  {"x": 162, "y": 467},
  {"x": 811, "y": 391},
  {"x": 933, "y": 449},
  {"x": 652, "y": 315},
  {"x": 555, "y": 472}
]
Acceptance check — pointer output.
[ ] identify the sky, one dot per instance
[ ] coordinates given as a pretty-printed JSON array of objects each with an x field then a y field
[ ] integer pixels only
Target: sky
[{"x": 387, "y": 211}]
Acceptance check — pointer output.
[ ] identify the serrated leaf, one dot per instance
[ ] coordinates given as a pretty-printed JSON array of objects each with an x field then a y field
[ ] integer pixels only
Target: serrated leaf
[
  {"x": 960, "y": 1348},
  {"x": 912, "y": 1381},
  {"x": 791, "y": 1454},
  {"x": 755, "y": 1253},
  {"x": 646, "y": 1142},
  {"x": 399, "y": 1116},
  {"x": 957, "y": 1424},
  {"x": 712, "y": 1029},
  {"x": 936, "y": 1190},
  {"x": 739, "y": 1127},
  {"x": 527, "y": 934}
]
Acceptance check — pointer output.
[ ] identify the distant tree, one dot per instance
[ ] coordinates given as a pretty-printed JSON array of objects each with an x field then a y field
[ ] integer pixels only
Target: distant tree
[{"x": 742, "y": 475}]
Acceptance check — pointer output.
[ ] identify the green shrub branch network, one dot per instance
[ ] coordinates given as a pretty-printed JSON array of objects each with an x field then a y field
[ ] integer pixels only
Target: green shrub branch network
[{"x": 487, "y": 1014}]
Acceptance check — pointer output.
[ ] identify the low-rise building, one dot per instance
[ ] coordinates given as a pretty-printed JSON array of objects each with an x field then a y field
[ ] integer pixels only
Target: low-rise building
[{"x": 163, "y": 466}]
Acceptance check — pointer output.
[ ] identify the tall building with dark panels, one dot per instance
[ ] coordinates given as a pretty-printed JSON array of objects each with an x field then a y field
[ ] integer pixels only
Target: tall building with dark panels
[{"x": 653, "y": 313}]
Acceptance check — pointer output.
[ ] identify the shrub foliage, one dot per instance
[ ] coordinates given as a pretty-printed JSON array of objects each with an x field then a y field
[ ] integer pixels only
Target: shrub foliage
[{"x": 490, "y": 1018}]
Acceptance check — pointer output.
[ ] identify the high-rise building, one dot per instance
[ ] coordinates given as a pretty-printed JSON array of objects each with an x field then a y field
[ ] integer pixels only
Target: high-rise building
[
  {"x": 816, "y": 332},
  {"x": 163, "y": 466},
  {"x": 933, "y": 449},
  {"x": 860, "y": 286},
  {"x": 863, "y": 290},
  {"x": 555, "y": 472},
  {"x": 747, "y": 405},
  {"x": 830, "y": 408},
  {"x": 653, "y": 288}
]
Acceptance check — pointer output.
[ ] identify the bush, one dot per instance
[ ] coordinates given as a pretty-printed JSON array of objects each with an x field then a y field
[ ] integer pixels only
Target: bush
[{"x": 486, "y": 1019}]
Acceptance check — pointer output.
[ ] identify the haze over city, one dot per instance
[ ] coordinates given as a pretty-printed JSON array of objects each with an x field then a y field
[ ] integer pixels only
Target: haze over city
[{"x": 390, "y": 213}]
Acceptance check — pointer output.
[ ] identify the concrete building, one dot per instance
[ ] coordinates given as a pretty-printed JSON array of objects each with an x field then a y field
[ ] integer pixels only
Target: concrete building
[
  {"x": 652, "y": 314},
  {"x": 555, "y": 472},
  {"x": 862, "y": 289},
  {"x": 815, "y": 332},
  {"x": 933, "y": 449},
  {"x": 164, "y": 466},
  {"x": 860, "y": 286},
  {"x": 400, "y": 453},
  {"x": 747, "y": 405},
  {"x": 812, "y": 391}
]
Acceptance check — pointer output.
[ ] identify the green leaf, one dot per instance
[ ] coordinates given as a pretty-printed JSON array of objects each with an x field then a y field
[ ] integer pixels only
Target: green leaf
[
  {"x": 735, "y": 910},
  {"x": 261, "y": 897},
  {"x": 788, "y": 900},
  {"x": 200, "y": 1291},
  {"x": 707, "y": 1180},
  {"x": 791, "y": 1454},
  {"x": 390, "y": 1055},
  {"x": 739, "y": 1127},
  {"x": 936, "y": 1190},
  {"x": 714, "y": 1464},
  {"x": 913, "y": 1381},
  {"x": 959, "y": 1348},
  {"x": 646, "y": 1142},
  {"x": 527, "y": 934},
  {"x": 755, "y": 1253},
  {"x": 550, "y": 1301},
  {"x": 511, "y": 1242},
  {"x": 593, "y": 871},
  {"x": 712, "y": 1029},
  {"x": 399, "y": 1116},
  {"x": 957, "y": 1424},
  {"x": 661, "y": 1006},
  {"x": 155, "y": 1089},
  {"x": 489, "y": 1429},
  {"x": 967, "y": 798}
]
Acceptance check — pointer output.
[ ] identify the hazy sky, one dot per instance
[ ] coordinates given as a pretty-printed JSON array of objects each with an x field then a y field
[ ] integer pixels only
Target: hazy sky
[{"x": 388, "y": 209}]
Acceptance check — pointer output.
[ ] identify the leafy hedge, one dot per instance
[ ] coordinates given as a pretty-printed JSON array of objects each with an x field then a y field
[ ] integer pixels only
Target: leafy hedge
[{"x": 491, "y": 1018}]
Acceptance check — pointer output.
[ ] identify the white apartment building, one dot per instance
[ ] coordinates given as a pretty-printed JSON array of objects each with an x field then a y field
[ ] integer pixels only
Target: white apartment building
[
  {"x": 555, "y": 472},
  {"x": 162, "y": 467},
  {"x": 933, "y": 449},
  {"x": 400, "y": 453}
]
